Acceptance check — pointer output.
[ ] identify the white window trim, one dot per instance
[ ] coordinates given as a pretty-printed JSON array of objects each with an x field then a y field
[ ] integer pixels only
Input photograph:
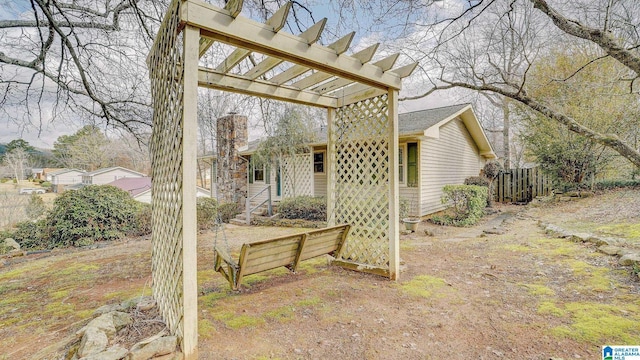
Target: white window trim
[
  {"x": 264, "y": 174},
  {"x": 403, "y": 146},
  {"x": 324, "y": 161}
]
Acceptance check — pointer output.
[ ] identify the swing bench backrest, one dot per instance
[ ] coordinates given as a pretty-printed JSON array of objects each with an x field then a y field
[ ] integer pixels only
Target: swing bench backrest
[{"x": 285, "y": 251}]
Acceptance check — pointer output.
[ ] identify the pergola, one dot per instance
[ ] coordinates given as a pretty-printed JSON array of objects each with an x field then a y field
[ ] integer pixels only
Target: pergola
[{"x": 362, "y": 156}]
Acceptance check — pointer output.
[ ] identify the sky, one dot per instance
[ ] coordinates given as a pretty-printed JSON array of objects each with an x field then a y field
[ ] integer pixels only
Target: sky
[{"x": 46, "y": 135}]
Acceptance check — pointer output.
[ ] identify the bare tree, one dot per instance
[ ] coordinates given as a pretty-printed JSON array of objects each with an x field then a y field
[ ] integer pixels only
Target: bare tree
[
  {"x": 466, "y": 48},
  {"x": 78, "y": 59},
  {"x": 17, "y": 159}
]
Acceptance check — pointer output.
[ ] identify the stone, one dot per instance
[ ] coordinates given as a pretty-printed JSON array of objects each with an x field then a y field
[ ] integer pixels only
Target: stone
[
  {"x": 629, "y": 259},
  {"x": 93, "y": 341},
  {"x": 10, "y": 243},
  {"x": 610, "y": 250},
  {"x": 580, "y": 237},
  {"x": 112, "y": 353},
  {"x": 104, "y": 309},
  {"x": 157, "y": 347},
  {"x": 495, "y": 231},
  {"x": 600, "y": 240},
  {"x": 121, "y": 319},
  {"x": 103, "y": 323},
  {"x": 146, "y": 303}
]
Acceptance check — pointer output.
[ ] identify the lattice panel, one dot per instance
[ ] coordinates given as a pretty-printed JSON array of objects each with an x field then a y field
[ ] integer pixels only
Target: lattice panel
[
  {"x": 297, "y": 175},
  {"x": 362, "y": 179},
  {"x": 166, "y": 170}
]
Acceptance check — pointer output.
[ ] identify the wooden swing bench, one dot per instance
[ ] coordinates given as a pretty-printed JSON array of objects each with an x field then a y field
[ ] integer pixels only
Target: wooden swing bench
[{"x": 287, "y": 251}]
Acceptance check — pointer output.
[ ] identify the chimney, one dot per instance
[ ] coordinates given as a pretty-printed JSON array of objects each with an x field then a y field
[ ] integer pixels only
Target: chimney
[{"x": 232, "y": 135}]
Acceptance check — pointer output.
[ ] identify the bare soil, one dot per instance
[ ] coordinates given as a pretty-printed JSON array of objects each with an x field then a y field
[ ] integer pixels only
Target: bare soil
[{"x": 462, "y": 294}]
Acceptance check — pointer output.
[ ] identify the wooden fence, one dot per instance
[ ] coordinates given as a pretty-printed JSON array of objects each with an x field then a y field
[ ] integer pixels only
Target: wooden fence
[{"x": 521, "y": 185}]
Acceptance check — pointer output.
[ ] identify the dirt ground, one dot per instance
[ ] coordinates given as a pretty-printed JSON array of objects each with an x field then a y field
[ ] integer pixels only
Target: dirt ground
[{"x": 462, "y": 294}]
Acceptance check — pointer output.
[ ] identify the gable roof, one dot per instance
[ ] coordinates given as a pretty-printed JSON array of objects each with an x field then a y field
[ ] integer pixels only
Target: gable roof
[
  {"x": 133, "y": 186},
  {"x": 104, "y": 170},
  {"x": 64, "y": 171}
]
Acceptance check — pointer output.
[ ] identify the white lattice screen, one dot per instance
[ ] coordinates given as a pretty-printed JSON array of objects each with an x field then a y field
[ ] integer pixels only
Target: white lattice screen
[
  {"x": 297, "y": 175},
  {"x": 166, "y": 170},
  {"x": 360, "y": 135}
]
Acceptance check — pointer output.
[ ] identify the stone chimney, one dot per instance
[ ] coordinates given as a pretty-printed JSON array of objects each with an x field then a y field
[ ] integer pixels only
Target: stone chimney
[{"x": 232, "y": 136}]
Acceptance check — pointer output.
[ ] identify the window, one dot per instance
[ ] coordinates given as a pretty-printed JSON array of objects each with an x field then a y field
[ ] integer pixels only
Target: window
[
  {"x": 258, "y": 173},
  {"x": 318, "y": 162},
  {"x": 412, "y": 164},
  {"x": 401, "y": 163}
]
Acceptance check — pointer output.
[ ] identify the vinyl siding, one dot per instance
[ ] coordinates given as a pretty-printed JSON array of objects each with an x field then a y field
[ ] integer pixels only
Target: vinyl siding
[
  {"x": 256, "y": 187},
  {"x": 68, "y": 178},
  {"x": 450, "y": 159},
  {"x": 107, "y": 177}
]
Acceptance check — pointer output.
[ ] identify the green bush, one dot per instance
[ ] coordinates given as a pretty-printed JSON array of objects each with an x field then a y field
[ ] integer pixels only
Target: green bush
[
  {"x": 207, "y": 212},
  {"x": 142, "y": 220},
  {"x": 304, "y": 207},
  {"x": 3, "y": 180},
  {"x": 93, "y": 213},
  {"x": 36, "y": 207},
  {"x": 46, "y": 184},
  {"x": 477, "y": 180},
  {"x": 30, "y": 235},
  {"x": 228, "y": 211},
  {"x": 613, "y": 184},
  {"x": 467, "y": 204}
]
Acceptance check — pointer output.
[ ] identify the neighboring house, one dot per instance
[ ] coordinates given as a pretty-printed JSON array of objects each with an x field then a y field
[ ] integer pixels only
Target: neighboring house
[
  {"x": 46, "y": 173},
  {"x": 437, "y": 147},
  {"x": 107, "y": 175},
  {"x": 62, "y": 179},
  {"x": 140, "y": 188}
]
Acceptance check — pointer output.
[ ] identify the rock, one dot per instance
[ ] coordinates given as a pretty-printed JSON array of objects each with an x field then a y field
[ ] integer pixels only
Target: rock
[
  {"x": 10, "y": 243},
  {"x": 146, "y": 303},
  {"x": 93, "y": 341},
  {"x": 121, "y": 319},
  {"x": 580, "y": 237},
  {"x": 149, "y": 349},
  {"x": 15, "y": 253},
  {"x": 495, "y": 231},
  {"x": 600, "y": 240},
  {"x": 103, "y": 323},
  {"x": 629, "y": 259},
  {"x": 108, "y": 308},
  {"x": 610, "y": 250},
  {"x": 112, "y": 353},
  {"x": 173, "y": 356}
]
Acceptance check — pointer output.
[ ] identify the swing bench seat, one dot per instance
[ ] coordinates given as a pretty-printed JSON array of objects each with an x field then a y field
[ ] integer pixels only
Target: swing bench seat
[{"x": 287, "y": 251}]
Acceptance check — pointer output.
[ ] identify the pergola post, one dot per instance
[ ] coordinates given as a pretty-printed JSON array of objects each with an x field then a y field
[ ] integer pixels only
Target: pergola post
[
  {"x": 331, "y": 168},
  {"x": 191, "y": 36},
  {"x": 394, "y": 189}
]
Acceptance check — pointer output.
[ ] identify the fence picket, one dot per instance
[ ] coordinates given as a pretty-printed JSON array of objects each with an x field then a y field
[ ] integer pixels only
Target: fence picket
[{"x": 521, "y": 185}]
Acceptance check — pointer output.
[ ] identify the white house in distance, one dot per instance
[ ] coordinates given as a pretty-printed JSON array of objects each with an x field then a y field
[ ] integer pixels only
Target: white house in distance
[
  {"x": 107, "y": 175},
  {"x": 65, "y": 177},
  {"x": 140, "y": 188},
  {"x": 437, "y": 147}
]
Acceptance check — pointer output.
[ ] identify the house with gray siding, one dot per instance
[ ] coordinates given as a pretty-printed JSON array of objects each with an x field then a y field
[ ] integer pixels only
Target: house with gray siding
[{"x": 437, "y": 147}]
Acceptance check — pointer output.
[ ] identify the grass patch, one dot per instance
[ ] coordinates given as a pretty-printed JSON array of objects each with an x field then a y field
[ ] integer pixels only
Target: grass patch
[
  {"x": 205, "y": 328},
  {"x": 538, "y": 290},
  {"x": 592, "y": 278},
  {"x": 424, "y": 286},
  {"x": 281, "y": 314},
  {"x": 601, "y": 323},
  {"x": 75, "y": 269},
  {"x": 624, "y": 230},
  {"x": 516, "y": 248},
  {"x": 58, "y": 295},
  {"x": 313, "y": 301},
  {"x": 550, "y": 308},
  {"x": 235, "y": 322},
  {"x": 59, "y": 310},
  {"x": 210, "y": 299}
]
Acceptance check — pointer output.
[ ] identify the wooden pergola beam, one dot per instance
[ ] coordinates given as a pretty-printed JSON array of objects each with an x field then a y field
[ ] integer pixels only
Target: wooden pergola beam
[
  {"x": 233, "y": 7},
  {"x": 217, "y": 24},
  {"x": 212, "y": 79},
  {"x": 385, "y": 64}
]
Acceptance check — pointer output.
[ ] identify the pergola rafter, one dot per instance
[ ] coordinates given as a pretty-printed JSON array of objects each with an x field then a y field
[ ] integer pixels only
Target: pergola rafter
[{"x": 362, "y": 114}]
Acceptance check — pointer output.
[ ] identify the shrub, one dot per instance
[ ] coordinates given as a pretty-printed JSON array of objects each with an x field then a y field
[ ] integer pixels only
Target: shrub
[
  {"x": 304, "y": 207},
  {"x": 228, "y": 211},
  {"x": 93, "y": 213},
  {"x": 30, "y": 235},
  {"x": 207, "y": 212},
  {"x": 36, "y": 207},
  {"x": 47, "y": 185},
  {"x": 477, "y": 180},
  {"x": 613, "y": 184},
  {"x": 467, "y": 204},
  {"x": 142, "y": 220}
]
